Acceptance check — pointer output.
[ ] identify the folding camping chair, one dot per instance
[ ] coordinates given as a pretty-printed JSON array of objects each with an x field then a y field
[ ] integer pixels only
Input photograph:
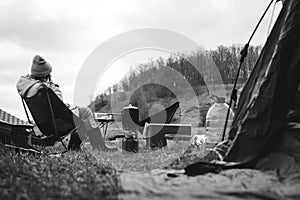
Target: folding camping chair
[
  {"x": 158, "y": 129},
  {"x": 54, "y": 119},
  {"x": 164, "y": 117}
]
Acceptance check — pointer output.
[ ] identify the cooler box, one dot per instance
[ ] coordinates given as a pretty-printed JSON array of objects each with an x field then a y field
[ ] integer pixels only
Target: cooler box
[{"x": 15, "y": 132}]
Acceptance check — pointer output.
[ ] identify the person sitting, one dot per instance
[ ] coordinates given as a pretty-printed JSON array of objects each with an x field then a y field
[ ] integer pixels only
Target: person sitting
[{"x": 29, "y": 85}]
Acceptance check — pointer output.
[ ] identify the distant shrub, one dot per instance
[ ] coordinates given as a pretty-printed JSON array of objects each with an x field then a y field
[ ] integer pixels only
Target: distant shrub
[{"x": 144, "y": 96}]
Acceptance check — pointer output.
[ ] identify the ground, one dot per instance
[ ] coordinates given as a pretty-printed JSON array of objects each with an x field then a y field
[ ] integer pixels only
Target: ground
[
  {"x": 73, "y": 175},
  {"x": 91, "y": 174}
]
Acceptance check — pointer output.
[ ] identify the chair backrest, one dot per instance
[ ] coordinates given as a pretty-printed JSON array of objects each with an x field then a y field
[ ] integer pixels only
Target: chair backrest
[
  {"x": 165, "y": 116},
  {"x": 50, "y": 114}
]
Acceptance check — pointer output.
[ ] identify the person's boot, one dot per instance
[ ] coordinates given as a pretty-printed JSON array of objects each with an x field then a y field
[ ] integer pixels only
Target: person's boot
[{"x": 97, "y": 141}]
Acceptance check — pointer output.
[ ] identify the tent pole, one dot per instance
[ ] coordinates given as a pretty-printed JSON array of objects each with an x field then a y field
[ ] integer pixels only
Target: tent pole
[{"x": 243, "y": 54}]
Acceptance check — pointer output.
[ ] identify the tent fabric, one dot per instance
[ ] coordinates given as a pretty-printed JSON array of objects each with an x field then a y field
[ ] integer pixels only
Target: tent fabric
[
  {"x": 260, "y": 117},
  {"x": 228, "y": 184}
]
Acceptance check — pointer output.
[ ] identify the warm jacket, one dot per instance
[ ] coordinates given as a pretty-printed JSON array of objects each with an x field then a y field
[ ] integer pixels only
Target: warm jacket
[{"x": 29, "y": 86}]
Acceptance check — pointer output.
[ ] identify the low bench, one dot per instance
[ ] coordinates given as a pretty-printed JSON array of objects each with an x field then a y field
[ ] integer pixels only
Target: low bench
[{"x": 157, "y": 134}]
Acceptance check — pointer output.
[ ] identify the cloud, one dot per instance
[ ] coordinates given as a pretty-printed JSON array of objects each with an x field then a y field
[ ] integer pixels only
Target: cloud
[
  {"x": 209, "y": 23},
  {"x": 65, "y": 32},
  {"x": 23, "y": 23}
]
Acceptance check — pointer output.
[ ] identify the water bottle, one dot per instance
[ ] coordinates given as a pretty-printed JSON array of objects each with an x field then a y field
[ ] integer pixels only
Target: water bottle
[{"x": 215, "y": 120}]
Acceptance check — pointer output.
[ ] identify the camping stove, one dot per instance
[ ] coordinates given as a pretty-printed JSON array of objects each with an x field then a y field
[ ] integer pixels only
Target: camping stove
[{"x": 130, "y": 119}]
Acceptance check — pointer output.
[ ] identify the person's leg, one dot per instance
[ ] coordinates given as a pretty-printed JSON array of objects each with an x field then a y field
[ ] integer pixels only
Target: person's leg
[
  {"x": 87, "y": 116},
  {"x": 93, "y": 130},
  {"x": 96, "y": 139},
  {"x": 75, "y": 142}
]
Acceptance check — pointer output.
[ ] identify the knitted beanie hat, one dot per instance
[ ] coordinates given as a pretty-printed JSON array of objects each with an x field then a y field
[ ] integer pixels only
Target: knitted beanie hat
[{"x": 40, "y": 67}]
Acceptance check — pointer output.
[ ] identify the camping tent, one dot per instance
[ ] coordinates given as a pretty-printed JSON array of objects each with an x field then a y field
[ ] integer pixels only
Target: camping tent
[
  {"x": 260, "y": 123},
  {"x": 260, "y": 117}
]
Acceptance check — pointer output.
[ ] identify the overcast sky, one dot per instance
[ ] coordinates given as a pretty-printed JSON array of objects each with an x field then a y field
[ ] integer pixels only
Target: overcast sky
[{"x": 66, "y": 32}]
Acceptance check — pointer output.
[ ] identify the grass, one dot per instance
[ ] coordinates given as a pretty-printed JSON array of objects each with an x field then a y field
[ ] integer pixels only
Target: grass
[
  {"x": 74, "y": 175},
  {"x": 88, "y": 174},
  {"x": 175, "y": 155},
  {"x": 143, "y": 161},
  {"x": 79, "y": 175}
]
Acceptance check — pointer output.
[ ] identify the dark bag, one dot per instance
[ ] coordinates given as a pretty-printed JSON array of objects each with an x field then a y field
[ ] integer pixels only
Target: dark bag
[{"x": 130, "y": 145}]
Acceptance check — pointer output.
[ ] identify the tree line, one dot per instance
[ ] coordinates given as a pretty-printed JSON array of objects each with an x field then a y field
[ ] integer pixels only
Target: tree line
[{"x": 179, "y": 71}]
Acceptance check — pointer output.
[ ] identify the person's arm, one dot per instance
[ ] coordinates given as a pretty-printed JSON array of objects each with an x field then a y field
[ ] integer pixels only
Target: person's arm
[{"x": 56, "y": 90}]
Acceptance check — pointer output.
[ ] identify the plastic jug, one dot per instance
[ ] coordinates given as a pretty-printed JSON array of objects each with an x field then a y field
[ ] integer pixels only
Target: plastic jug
[{"x": 215, "y": 120}]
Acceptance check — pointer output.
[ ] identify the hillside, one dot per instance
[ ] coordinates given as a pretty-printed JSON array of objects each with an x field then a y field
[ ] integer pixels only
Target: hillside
[{"x": 192, "y": 110}]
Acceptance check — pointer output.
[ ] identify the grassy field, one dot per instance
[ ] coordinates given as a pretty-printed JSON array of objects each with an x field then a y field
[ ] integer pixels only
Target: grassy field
[
  {"x": 73, "y": 175},
  {"x": 145, "y": 160},
  {"x": 88, "y": 174}
]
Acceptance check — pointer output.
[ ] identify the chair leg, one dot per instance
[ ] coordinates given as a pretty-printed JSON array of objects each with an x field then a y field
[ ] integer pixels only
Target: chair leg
[
  {"x": 75, "y": 142},
  {"x": 62, "y": 142}
]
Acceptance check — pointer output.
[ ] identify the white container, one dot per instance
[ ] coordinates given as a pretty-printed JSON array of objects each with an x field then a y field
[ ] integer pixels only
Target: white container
[
  {"x": 130, "y": 118},
  {"x": 215, "y": 120}
]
